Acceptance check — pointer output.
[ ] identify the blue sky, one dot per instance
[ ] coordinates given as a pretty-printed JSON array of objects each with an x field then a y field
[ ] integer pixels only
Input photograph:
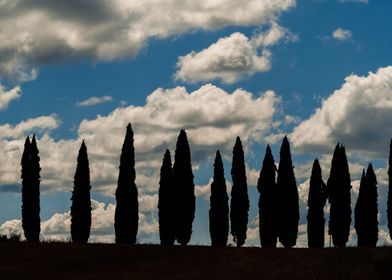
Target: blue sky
[{"x": 287, "y": 58}]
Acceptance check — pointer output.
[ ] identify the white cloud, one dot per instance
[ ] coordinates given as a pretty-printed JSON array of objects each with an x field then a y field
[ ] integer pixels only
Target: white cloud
[
  {"x": 211, "y": 116},
  {"x": 42, "y": 32},
  {"x": 232, "y": 58},
  {"x": 35, "y": 125},
  {"x": 95, "y": 100},
  {"x": 6, "y": 97},
  {"x": 358, "y": 114},
  {"x": 342, "y": 34},
  {"x": 58, "y": 227}
]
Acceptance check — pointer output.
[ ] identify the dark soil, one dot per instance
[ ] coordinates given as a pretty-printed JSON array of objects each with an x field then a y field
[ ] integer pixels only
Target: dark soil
[{"x": 19, "y": 260}]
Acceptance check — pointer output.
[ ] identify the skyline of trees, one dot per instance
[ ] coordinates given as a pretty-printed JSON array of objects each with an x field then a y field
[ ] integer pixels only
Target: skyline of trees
[
  {"x": 184, "y": 190},
  {"x": 81, "y": 202},
  {"x": 31, "y": 222},
  {"x": 219, "y": 207},
  {"x": 317, "y": 199},
  {"x": 339, "y": 197},
  {"x": 126, "y": 215},
  {"x": 282, "y": 195},
  {"x": 239, "y": 204}
]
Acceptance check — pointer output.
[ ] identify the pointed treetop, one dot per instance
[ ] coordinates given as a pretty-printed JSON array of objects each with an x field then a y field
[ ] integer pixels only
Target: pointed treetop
[
  {"x": 218, "y": 162},
  {"x": 218, "y": 156},
  {"x": 83, "y": 147},
  {"x": 129, "y": 126},
  {"x": 27, "y": 142},
  {"x": 316, "y": 167},
  {"x": 370, "y": 175},
  {"x": 167, "y": 154}
]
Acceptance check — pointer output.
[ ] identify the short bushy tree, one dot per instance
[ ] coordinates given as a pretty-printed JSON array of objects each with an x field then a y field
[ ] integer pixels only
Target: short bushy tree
[
  {"x": 166, "y": 202},
  {"x": 316, "y": 202},
  {"x": 81, "y": 203},
  {"x": 239, "y": 206},
  {"x": 366, "y": 210},
  {"x": 184, "y": 190},
  {"x": 127, "y": 209},
  {"x": 268, "y": 201},
  {"x": 219, "y": 208},
  {"x": 288, "y": 209},
  {"x": 339, "y": 196}
]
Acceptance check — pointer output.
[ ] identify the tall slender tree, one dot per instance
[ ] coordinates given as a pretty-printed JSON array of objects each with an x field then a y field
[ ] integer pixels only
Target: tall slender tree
[
  {"x": 239, "y": 206},
  {"x": 184, "y": 190},
  {"x": 288, "y": 210},
  {"x": 31, "y": 221},
  {"x": 366, "y": 210},
  {"x": 268, "y": 201},
  {"x": 339, "y": 196},
  {"x": 219, "y": 208},
  {"x": 166, "y": 202},
  {"x": 127, "y": 209},
  {"x": 316, "y": 202},
  {"x": 389, "y": 203},
  {"x": 81, "y": 203}
]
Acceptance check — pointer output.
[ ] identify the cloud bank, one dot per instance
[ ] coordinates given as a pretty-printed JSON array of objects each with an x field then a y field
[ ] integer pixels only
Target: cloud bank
[{"x": 46, "y": 31}]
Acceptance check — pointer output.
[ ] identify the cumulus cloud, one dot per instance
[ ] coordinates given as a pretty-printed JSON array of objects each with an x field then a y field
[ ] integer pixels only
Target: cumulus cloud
[
  {"x": 211, "y": 116},
  {"x": 358, "y": 115},
  {"x": 342, "y": 34},
  {"x": 232, "y": 58},
  {"x": 95, "y": 100},
  {"x": 40, "y": 125},
  {"x": 42, "y": 32},
  {"x": 58, "y": 227},
  {"x": 7, "y": 96}
]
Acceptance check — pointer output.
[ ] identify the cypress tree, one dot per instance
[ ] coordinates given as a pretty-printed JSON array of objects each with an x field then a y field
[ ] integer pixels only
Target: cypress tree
[
  {"x": 166, "y": 202},
  {"x": 366, "y": 210},
  {"x": 31, "y": 221},
  {"x": 316, "y": 202},
  {"x": 184, "y": 190},
  {"x": 389, "y": 203},
  {"x": 127, "y": 209},
  {"x": 81, "y": 203},
  {"x": 219, "y": 208},
  {"x": 288, "y": 210},
  {"x": 339, "y": 187},
  {"x": 268, "y": 200},
  {"x": 239, "y": 206}
]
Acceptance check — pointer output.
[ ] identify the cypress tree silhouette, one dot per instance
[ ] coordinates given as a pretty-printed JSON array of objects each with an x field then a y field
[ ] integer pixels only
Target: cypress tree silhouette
[
  {"x": 316, "y": 202},
  {"x": 239, "y": 206},
  {"x": 81, "y": 203},
  {"x": 166, "y": 202},
  {"x": 268, "y": 200},
  {"x": 184, "y": 190},
  {"x": 127, "y": 209},
  {"x": 366, "y": 210},
  {"x": 288, "y": 210},
  {"x": 339, "y": 187},
  {"x": 219, "y": 208},
  {"x": 389, "y": 203},
  {"x": 31, "y": 221}
]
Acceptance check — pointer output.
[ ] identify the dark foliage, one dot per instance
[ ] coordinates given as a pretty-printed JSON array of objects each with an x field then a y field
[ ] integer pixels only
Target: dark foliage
[
  {"x": 339, "y": 188},
  {"x": 219, "y": 208},
  {"x": 288, "y": 210},
  {"x": 239, "y": 206},
  {"x": 389, "y": 203},
  {"x": 81, "y": 203},
  {"x": 127, "y": 209},
  {"x": 184, "y": 190},
  {"x": 266, "y": 185},
  {"x": 366, "y": 210},
  {"x": 31, "y": 221},
  {"x": 316, "y": 202},
  {"x": 166, "y": 202}
]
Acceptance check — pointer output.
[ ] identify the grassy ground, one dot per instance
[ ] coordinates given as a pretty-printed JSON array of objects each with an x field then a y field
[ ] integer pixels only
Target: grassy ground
[{"x": 105, "y": 261}]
